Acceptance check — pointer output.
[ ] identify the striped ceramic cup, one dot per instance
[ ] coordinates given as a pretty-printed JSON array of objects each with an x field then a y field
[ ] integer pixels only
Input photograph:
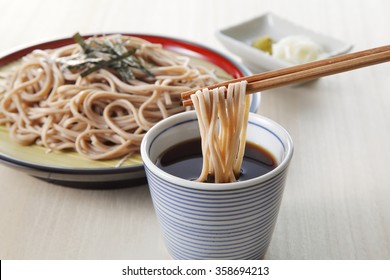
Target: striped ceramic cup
[{"x": 216, "y": 221}]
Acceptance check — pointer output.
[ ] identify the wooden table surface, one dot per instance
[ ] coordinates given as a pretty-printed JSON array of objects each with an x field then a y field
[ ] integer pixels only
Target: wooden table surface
[{"x": 336, "y": 203}]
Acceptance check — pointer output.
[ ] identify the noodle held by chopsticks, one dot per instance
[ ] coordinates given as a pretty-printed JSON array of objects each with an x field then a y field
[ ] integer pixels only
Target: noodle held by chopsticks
[
  {"x": 63, "y": 99},
  {"x": 222, "y": 123}
]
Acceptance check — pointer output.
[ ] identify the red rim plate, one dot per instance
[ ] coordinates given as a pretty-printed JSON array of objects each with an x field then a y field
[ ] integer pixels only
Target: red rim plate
[{"x": 98, "y": 177}]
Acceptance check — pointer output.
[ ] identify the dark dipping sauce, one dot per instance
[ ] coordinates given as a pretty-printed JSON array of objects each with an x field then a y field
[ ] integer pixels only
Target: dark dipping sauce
[{"x": 185, "y": 160}]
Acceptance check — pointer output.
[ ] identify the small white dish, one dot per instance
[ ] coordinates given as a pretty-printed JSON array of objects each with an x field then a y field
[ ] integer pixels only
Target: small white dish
[{"x": 238, "y": 40}]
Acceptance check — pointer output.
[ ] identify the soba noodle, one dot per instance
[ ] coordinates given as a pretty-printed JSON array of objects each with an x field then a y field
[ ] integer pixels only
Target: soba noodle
[
  {"x": 223, "y": 118},
  {"x": 99, "y": 115}
]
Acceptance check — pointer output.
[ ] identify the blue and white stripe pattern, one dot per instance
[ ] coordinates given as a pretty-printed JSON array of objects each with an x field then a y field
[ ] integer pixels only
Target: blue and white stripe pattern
[{"x": 218, "y": 221}]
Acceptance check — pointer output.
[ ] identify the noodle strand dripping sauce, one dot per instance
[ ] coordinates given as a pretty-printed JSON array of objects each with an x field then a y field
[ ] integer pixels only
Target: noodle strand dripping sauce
[{"x": 222, "y": 154}]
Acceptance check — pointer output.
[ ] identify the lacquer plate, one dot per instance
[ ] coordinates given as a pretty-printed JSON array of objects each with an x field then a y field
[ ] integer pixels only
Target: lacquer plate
[{"x": 71, "y": 169}]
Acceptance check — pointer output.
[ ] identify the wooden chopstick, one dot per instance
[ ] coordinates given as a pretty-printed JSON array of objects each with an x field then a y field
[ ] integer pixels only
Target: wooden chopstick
[{"x": 307, "y": 71}]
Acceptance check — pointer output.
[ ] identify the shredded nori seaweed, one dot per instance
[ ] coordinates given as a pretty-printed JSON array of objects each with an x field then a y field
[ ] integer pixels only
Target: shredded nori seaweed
[{"x": 108, "y": 55}]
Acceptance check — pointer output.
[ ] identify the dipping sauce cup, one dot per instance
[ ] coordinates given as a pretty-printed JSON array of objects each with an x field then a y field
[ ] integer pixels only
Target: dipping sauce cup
[{"x": 216, "y": 221}]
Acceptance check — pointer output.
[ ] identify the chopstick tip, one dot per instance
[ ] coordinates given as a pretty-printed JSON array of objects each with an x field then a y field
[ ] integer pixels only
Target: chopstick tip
[{"x": 187, "y": 102}]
